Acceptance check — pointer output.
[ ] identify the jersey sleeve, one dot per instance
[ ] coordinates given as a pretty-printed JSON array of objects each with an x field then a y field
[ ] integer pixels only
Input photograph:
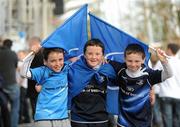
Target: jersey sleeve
[
  {"x": 116, "y": 65},
  {"x": 25, "y": 68},
  {"x": 167, "y": 71},
  {"x": 155, "y": 76},
  {"x": 38, "y": 74}
]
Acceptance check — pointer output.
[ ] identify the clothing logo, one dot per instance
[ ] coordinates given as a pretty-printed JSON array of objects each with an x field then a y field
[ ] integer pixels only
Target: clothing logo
[
  {"x": 143, "y": 72},
  {"x": 130, "y": 89},
  {"x": 102, "y": 79},
  {"x": 125, "y": 78},
  {"x": 140, "y": 82},
  {"x": 113, "y": 53},
  {"x": 73, "y": 49}
]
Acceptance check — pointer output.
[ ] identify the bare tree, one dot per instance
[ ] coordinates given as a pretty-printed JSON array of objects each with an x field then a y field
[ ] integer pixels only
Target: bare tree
[{"x": 164, "y": 20}]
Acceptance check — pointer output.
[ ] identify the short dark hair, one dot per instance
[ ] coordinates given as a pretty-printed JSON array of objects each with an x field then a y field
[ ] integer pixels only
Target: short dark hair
[
  {"x": 7, "y": 43},
  {"x": 173, "y": 47},
  {"x": 47, "y": 51},
  {"x": 134, "y": 48},
  {"x": 94, "y": 42}
]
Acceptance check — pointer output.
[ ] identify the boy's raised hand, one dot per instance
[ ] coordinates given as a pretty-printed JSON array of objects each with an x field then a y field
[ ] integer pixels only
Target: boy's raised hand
[
  {"x": 161, "y": 55},
  {"x": 35, "y": 48}
]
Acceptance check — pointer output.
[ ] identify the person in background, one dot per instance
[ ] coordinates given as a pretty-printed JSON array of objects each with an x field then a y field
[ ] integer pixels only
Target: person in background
[
  {"x": 170, "y": 90},
  {"x": 24, "y": 116},
  {"x": 9, "y": 61},
  {"x": 135, "y": 81},
  {"x": 37, "y": 62},
  {"x": 157, "y": 115},
  {"x": 4, "y": 112}
]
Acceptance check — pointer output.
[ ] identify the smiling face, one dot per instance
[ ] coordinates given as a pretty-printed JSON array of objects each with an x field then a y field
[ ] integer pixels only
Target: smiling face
[
  {"x": 134, "y": 61},
  {"x": 55, "y": 61},
  {"x": 93, "y": 55}
]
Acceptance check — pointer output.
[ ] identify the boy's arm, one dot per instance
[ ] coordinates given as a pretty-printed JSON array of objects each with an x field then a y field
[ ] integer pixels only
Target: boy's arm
[
  {"x": 38, "y": 88},
  {"x": 25, "y": 68},
  {"x": 152, "y": 96},
  {"x": 167, "y": 71},
  {"x": 116, "y": 65}
]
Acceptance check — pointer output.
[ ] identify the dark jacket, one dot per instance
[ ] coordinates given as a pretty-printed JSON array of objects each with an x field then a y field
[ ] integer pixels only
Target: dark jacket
[{"x": 8, "y": 60}]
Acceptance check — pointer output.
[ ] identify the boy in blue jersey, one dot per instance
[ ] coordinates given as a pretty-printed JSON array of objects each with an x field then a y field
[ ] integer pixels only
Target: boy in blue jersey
[
  {"x": 88, "y": 79},
  {"x": 51, "y": 109},
  {"x": 135, "y": 81}
]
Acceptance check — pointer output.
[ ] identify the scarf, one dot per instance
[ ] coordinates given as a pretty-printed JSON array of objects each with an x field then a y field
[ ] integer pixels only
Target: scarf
[{"x": 80, "y": 75}]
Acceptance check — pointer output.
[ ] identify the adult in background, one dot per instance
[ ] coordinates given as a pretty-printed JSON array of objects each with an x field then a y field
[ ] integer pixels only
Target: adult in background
[
  {"x": 170, "y": 91},
  {"x": 4, "y": 113},
  {"x": 9, "y": 60},
  {"x": 24, "y": 116},
  {"x": 157, "y": 115}
]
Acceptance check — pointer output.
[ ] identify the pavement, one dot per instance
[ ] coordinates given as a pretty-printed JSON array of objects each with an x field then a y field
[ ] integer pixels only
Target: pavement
[{"x": 26, "y": 125}]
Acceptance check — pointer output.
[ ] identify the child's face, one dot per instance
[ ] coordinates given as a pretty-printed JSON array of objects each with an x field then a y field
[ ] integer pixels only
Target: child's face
[
  {"x": 94, "y": 56},
  {"x": 134, "y": 61},
  {"x": 55, "y": 61}
]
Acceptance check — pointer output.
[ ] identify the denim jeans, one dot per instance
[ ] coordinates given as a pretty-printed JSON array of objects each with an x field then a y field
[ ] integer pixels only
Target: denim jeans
[
  {"x": 5, "y": 115},
  {"x": 157, "y": 115},
  {"x": 170, "y": 112},
  {"x": 13, "y": 92},
  {"x": 24, "y": 116}
]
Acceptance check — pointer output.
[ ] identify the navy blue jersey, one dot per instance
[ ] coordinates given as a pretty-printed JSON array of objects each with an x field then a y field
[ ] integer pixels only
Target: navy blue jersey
[
  {"x": 87, "y": 91},
  {"x": 90, "y": 105},
  {"x": 135, "y": 107}
]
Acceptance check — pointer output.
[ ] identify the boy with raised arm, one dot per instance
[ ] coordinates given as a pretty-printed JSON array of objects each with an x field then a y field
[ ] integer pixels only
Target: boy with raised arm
[
  {"x": 51, "y": 108},
  {"x": 135, "y": 81}
]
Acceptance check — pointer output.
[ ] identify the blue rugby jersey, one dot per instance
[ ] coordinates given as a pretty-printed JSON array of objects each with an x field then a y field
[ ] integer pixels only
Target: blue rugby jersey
[
  {"x": 89, "y": 105},
  {"x": 52, "y": 100},
  {"x": 87, "y": 92},
  {"x": 135, "y": 107}
]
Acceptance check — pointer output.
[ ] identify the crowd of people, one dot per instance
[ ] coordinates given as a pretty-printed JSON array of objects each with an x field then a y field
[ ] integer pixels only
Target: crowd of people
[{"x": 56, "y": 87}]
